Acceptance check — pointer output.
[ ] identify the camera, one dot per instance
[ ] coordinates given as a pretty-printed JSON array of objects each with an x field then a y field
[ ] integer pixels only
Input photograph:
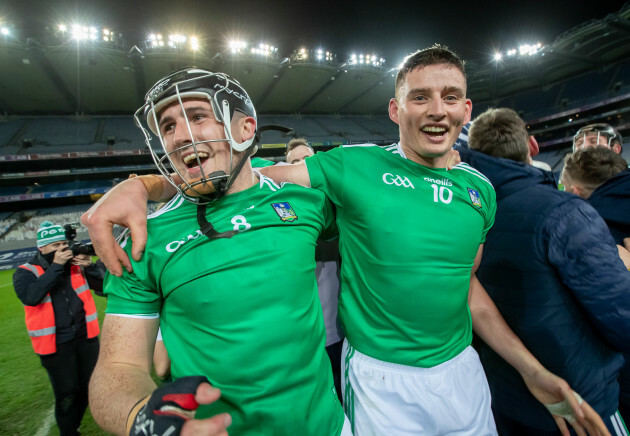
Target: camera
[{"x": 77, "y": 247}]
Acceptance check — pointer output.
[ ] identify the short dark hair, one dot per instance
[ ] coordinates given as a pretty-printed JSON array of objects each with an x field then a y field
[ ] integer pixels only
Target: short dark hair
[
  {"x": 434, "y": 55},
  {"x": 296, "y": 142},
  {"x": 500, "y": 133},
  {"x": 592, "y": 166}
]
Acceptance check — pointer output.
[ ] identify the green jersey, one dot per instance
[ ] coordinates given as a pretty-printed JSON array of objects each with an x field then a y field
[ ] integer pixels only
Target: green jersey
[
  {"x": 242, "y": 311},
  {"x": 408, "y": 236}
]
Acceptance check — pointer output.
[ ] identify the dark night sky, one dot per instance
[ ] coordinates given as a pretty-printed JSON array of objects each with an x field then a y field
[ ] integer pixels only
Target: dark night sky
[{"x": 389, "y": 29}]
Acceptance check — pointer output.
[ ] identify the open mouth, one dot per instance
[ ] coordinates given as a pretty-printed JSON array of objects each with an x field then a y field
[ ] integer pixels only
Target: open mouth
[
  {"x": 194, "y": 160},
  {"x": 435, "y": 131}
]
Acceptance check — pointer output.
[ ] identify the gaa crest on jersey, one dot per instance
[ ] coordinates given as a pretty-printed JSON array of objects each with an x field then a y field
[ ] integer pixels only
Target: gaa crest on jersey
[
  {"x": 475, "y": 198},
  {"x": 285, "y": 212}
]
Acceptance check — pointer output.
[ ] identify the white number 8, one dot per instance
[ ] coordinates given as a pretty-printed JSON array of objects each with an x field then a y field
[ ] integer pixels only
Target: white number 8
[{"x": 240, "y": 223}]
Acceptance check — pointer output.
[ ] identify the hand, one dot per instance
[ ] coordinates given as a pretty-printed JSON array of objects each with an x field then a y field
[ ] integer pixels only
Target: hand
[
  {"x": 62, "y": 256},
  {"x": 170, "y": 410},
  {"x": 82, "y": 260},
  {"x": 213, "y": 426},
  {"x": 549, "y": 389},
  {"x": 453, "y": 159},
  {"x": 126, "y": 205}
]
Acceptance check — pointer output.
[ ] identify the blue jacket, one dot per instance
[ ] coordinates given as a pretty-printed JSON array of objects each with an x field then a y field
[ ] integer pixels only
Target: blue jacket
[
  {"x": 552, "y": 268},
  {"x": 612, "y": 201}
]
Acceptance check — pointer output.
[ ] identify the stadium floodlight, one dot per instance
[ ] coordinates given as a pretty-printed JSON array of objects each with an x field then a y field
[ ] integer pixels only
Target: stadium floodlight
[
  {"x": 498, "y": 56},
  {"x": 5, "y": 31},
  {"x": 530, "y": 50},
  {"x": 511, "y": 52},
  {"x": 236, "y": 46},
  {"x": 62, "y": 28},
  {"x": 194, "y": 43}
]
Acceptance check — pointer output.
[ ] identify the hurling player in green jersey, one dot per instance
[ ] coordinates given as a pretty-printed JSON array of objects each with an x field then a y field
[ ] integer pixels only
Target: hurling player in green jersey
[
  {"x": 245, "y": 336},
  {"x": 410, "y": 369}
]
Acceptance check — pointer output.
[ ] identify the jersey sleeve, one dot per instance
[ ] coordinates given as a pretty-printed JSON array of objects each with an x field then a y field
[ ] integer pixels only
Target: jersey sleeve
[
  {"x": 326, "y": 172},
  {"x": 133, "y": 293}
]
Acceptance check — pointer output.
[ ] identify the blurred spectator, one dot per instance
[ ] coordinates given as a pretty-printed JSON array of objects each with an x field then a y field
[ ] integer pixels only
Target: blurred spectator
[
  {"x": 553, "y": 271},
  {"x": 61, "y": 320},
  {"x": 298, "y": 150}
]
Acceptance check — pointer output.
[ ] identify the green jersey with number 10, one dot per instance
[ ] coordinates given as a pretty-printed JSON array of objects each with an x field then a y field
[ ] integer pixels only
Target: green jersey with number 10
[
  {"x": 242, "y": 311},
  {"x": 408, "y": 236}
]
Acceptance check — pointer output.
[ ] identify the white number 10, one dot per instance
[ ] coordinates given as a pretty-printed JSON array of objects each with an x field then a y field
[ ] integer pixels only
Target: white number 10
[{"x": 442, "y": 194}]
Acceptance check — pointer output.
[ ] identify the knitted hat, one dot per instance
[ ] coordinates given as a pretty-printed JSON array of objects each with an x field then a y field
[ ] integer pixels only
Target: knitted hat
[{"x": 49, "y": 233}]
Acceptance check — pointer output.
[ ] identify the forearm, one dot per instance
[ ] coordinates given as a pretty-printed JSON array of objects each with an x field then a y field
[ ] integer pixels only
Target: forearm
[
  {"x": 492, "y": 328},
  {"x": 297, "y": 174},
  {"x": 115, "y": 388},
  {"x": 158, "y": 187}
]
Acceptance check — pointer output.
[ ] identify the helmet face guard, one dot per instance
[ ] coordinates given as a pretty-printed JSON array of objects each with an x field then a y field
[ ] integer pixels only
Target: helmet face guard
[
  {"x": 225, "y": 96},
  {"x": 601, "y": 130}
]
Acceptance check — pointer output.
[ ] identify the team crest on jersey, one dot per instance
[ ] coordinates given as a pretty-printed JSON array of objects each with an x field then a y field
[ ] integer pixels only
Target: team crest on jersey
[
  {"x": 285, "y": 212},
  {"x": 475, "y": 198}
]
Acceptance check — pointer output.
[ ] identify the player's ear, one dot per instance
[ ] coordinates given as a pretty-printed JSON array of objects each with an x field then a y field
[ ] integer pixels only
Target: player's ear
[{"x": 393, "y": 110}]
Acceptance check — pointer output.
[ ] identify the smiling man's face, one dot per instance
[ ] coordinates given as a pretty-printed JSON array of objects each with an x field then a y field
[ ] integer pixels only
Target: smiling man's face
[{"x": 430, "y": 109}]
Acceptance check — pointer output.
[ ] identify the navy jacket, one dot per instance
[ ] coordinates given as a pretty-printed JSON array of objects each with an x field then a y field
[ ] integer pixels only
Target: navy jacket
[
  {"x": 612, "y": 201},
  {"x": 552, "y": 268}
]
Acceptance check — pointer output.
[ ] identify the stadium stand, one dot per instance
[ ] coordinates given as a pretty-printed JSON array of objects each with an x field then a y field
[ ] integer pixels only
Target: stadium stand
[{"x": 56, "y": 150}]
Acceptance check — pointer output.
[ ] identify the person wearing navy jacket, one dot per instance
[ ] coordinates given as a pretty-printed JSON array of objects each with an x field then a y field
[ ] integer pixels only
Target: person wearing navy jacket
[
  {"x": 553, "y": 270},
  {"x": 600, "y": 176}
]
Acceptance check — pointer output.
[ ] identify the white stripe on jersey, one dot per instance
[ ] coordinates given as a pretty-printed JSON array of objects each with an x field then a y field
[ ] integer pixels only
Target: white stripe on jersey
[
  {"x": 264, "y": 180},
  {"x": 395, "y": 149},
  {"x": 465, "y": 167},
  {"x": 367, "y": 144},
  {"x": 173, "y": 203},
  {"x": 123, "y": 238},
  {"x": 618, "y": 424},
  {"x": 137, "y": 316}
]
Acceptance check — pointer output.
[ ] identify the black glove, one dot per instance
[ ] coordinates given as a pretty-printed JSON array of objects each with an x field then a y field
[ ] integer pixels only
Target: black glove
[{"x": 168, "y": 408}]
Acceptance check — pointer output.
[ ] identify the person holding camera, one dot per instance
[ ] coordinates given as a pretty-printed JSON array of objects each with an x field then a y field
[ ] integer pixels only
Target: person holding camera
[{"x": 61, "y": 319}]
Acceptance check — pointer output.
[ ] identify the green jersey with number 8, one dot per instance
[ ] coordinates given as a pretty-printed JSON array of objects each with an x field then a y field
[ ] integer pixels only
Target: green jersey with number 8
[{"x": 242, "y": 311}]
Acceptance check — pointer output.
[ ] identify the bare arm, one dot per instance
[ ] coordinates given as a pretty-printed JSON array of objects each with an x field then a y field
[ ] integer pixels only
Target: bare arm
[
  {"x": 121, "y": 382},
  {"x": 297, "y": 174},
  {"x": 125, "y": 205},
  {"x": 624, "y": 254},
  {"x": 161, "y": 361},
  {"x": 544, "y": 386},
  {"x": 122, "y": 377}
]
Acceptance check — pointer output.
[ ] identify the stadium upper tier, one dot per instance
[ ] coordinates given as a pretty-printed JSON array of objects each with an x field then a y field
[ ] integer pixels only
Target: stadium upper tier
[{"x": 54, "y": 75}]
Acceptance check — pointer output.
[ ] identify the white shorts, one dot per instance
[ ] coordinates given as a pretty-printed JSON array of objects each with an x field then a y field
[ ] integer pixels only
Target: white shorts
[{"x": 382, "y": 398}]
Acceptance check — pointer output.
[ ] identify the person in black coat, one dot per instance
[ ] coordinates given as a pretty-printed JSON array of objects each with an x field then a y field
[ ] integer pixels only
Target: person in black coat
[
  {"x": 61, "y": 319},
  {"x": 553, "y": 270}
]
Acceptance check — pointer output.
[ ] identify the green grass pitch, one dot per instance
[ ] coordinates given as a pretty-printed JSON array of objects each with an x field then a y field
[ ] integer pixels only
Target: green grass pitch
[{"x": 25, "y": 392}]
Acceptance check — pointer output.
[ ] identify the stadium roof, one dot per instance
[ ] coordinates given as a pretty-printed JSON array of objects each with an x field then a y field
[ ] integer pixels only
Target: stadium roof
[{"x": 47, "y": 74}]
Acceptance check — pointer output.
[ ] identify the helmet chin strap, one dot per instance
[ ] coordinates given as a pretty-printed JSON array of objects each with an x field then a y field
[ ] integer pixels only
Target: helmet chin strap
[{"x": 223, "y": 185}]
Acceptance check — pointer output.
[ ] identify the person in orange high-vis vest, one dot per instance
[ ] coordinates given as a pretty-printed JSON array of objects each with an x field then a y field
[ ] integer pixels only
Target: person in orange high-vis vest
[{"x": 61, "y": 319}]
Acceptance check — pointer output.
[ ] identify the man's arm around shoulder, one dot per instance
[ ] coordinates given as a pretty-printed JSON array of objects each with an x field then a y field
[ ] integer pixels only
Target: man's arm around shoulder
[{"x": 296, "y": 174}]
